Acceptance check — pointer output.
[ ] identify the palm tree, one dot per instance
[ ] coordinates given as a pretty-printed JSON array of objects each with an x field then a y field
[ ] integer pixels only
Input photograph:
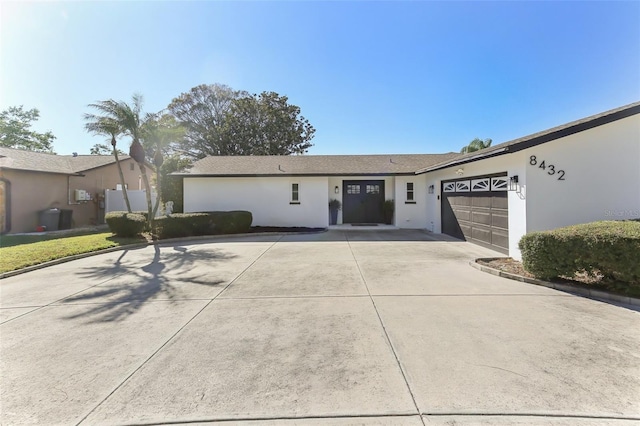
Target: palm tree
[
  {"x": 158, "y": 135},
  {"x": 102, "y": 125},
  {"x": 128, "y": 119},
  {"x": 476, "y": 145}
]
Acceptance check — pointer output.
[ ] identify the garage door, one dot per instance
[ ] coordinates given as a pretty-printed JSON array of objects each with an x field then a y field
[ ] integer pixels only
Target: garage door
[{"x": 476, "y": 210}]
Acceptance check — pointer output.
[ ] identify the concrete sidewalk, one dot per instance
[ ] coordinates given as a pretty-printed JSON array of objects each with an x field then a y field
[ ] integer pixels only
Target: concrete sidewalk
[{"x": 336, "y": 328}]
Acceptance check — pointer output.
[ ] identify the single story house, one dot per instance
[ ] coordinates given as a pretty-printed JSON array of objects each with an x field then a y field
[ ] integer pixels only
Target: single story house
[
  {"x": 578, "y": 172},
  {"x": 31, "y": 182}
]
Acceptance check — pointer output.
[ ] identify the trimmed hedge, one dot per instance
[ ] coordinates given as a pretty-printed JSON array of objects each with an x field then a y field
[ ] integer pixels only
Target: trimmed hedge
[
  {"x": 611, "y": 248},
  {"x": 125, "y": 224},
  {"x": 211, "y": 223}
]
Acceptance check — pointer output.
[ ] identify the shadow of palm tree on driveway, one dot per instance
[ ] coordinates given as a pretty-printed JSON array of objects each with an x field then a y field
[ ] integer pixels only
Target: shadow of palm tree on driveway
[{"x": 126, "y": 287}]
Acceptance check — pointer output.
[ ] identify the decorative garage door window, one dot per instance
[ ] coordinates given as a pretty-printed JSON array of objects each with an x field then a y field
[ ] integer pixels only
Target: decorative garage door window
[
  {"x": 372, "y": 189},
  {"x": 499, "y": 183},
  {"x": 463, "y": 186},
  {"x": 353, "y": 189},
  {"x": 477, "y": 184},
  {"x": 481, "y": 184},
  {"x": 449, "y": 187}
]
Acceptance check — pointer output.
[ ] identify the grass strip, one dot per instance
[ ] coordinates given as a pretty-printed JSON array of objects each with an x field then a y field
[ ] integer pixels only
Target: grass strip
[{"x": 28, "y": 253}]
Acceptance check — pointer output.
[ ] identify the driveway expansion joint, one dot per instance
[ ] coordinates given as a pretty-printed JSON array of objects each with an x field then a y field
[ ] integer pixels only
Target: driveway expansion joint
[{"x": 384, "y": 330}]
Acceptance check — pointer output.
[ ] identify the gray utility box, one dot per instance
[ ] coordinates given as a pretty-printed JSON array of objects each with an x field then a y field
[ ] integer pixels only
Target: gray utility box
[{"x": 49, "y": 219}]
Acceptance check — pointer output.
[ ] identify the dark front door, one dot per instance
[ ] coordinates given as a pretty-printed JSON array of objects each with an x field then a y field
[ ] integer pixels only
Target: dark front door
[{"x": 362, "y": 201}]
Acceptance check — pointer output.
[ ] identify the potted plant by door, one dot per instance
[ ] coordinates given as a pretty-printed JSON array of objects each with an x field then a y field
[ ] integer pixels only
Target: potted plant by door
[
  {"x": 334, "y": 206},
  {"x": 387, "y": 210}
]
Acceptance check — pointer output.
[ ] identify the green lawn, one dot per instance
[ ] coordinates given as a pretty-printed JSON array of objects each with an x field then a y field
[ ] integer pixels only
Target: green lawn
[{"x": 19, "y": 251}]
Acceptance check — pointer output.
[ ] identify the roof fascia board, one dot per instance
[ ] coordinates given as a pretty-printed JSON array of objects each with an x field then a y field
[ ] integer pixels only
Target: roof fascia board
[
  {"x": 539, "y": 140},
  {"x": 293, "y": 174}
]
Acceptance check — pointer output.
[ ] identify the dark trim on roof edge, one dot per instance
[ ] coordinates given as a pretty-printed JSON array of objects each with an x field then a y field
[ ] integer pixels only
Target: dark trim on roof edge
[
  {"x": 295, "y": 175},
  {"x": 539, "y": 140}
]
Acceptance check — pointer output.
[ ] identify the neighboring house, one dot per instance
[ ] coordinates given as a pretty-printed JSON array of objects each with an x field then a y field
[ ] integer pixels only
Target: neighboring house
[
  {"x": 579, "y": 172},
  {"x": 31, "y": 182}
]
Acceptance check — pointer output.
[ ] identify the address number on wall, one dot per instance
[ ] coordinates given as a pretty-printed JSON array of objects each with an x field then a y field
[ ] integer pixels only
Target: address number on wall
[{"x": 549, "y": 168}]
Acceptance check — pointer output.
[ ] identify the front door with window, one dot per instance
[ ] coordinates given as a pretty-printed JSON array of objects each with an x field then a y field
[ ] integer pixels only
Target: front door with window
[{"x": 363, "y": 201}]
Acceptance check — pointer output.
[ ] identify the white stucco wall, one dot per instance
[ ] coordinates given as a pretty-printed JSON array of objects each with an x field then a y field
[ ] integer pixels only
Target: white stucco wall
[
  {"x": 411, "y": 215},
  {"x": 268, "y": 199},
  {"x": 602, "y": 177},
  {"x": 601, "y": 181},
  {"x": 513, "y": 164}
]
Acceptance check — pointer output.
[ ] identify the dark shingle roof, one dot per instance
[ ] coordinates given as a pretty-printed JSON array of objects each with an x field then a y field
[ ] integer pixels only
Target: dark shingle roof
[
  {"x": 540, "y": 137},
  {"x": 314, "y": 165},
  {"x": 19, "y": 159}
]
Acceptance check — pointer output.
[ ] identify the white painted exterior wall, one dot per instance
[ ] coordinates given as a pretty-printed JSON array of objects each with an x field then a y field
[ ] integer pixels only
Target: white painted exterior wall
[
  {"x": 602, "y": 180},
  {"x": 267, "y": 198},
  {"x": 602, "y": 176},
  {"x": 411, "y": 215}
]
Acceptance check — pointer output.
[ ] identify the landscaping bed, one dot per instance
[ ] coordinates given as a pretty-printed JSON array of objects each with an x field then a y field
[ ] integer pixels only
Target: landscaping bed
[{"x": 596, "y": 282}]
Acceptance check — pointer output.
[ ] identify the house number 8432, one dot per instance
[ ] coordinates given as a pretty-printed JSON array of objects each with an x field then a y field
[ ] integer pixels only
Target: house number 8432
[{"x": 550, "y": 168}]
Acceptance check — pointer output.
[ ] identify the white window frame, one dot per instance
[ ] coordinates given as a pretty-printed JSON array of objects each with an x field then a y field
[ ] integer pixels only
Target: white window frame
[
  {"x": 295, "y": 191},
  {"x": 411, "y": 193}
]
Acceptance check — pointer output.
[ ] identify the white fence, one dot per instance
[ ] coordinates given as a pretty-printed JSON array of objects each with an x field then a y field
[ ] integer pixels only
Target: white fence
[{"x": 114, "y": 201}]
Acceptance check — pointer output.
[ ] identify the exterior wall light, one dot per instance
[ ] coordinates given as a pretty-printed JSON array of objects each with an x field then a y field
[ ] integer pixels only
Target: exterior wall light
[
  {"x": 513, "y": 183},
  {"x": 431, "y": 189},
  {"x": 336, "y": 189}
]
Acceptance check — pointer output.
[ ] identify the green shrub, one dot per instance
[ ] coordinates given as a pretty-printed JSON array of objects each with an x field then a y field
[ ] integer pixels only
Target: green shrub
[
  {"x": 233, "y": 222},
  {"x": 125, "y": 224},
  {"x": 611, "y": 248},
  {"x": 182, "y": 225},
  {"x": 213, "y": 223}
]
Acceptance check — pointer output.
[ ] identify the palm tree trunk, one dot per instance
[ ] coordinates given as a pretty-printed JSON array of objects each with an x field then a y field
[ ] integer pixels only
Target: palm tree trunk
[
  {"x": 159, "y": 190},
  {"x": 147, "y": 187},
  {"x": 124, "y": 185}
]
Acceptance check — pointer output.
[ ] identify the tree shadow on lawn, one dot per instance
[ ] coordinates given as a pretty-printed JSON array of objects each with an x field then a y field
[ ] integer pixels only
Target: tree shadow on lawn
[{"x": 163, "y": 278}]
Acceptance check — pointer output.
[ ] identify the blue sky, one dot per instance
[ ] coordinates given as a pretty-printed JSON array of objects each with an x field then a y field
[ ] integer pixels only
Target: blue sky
[{"x": 371, "y": 77}]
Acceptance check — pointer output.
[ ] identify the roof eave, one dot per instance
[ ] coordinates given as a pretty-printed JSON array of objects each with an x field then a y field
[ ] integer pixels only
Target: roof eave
[{"x": 550, "y": 136}]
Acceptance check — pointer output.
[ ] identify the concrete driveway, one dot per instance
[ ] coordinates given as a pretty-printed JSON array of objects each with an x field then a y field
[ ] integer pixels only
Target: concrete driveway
[{"x": 335, "y": 328}]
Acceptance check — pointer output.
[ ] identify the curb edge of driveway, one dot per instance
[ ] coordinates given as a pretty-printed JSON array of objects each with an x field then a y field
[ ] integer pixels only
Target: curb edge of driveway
[
  {"x": 568, "y": 288},
  {"x": 142, "y": 245}
]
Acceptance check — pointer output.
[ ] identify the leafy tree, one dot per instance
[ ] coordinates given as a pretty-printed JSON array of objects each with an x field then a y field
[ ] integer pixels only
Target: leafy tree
[
  {"x": 103, "y": 149},
  {"x": 202, "y": 111},
  {"x": 476, "y": 145},
  {"x": 221, "y": 121},
  {"x": 172, "y": 189},
  {"x": 108, "y": 126},
  {"x": 266, "y": 124},
  {"x": 15, "y": 130}
]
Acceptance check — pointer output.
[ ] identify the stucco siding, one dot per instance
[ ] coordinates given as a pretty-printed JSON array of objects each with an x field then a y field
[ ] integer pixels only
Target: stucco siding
[
  {"x": 601, "y": 179},
  {"x": 268, "y": 199},
  {"x": 411, "y": 214},
  {"x": 33, "y": 191}
]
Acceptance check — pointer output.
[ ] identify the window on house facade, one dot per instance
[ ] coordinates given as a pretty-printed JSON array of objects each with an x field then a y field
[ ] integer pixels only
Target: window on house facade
[
  {"x": 410, "y": 191},
  {"x": 373, "y": 189},
  {"x": 295, "y": 193},
  {"x": 353, "y": 189}
]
